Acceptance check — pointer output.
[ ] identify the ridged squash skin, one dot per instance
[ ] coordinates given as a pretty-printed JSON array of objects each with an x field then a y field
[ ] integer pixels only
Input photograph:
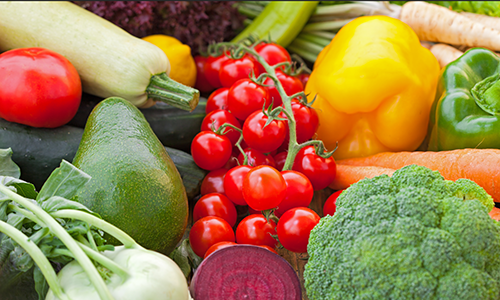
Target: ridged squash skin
[{"x": 135, "y": 185}]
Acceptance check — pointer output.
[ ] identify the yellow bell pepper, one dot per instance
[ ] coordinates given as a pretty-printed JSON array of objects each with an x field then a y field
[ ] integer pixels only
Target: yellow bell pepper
[
  {"x": 182, "y": 65},
  {"x": 375, "y": 85}
]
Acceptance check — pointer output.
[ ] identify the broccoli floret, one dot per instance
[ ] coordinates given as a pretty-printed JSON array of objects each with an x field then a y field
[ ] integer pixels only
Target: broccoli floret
[{"x": 409, "y": 236}]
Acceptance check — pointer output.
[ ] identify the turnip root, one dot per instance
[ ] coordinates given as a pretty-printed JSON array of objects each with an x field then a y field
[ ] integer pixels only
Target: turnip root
[{"x": 245, "y": 272}]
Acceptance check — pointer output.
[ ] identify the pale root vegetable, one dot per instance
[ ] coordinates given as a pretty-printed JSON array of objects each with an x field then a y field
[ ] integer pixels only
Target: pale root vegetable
[
  {"x": 488, "y": 21},
  {"x": 110, "y": 61},
  {"x": 347, "y": 175},
  {"x": 479, "y": 165},
  {"x": 445, "y": 54},
  {"x": 435, "y": 23}
]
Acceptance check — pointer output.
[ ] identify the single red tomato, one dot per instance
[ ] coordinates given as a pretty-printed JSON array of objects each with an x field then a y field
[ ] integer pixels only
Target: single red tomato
[
  {"x": 262, "y": 137},
  {"x": 215, "y": 204},
  {"x": 208, "y": 231},
  {"x": 264, "y": 188},
  {"x": 279, "y": 160},
  {"x": 291, "y": 85},
  {"x": 217, "y": 118},
  {"x": 245, "y": 97},
  {"x": 299, "y": 192},
  {"x": 320, "y": 171},
  {"x": 213, "y": 182},
  {"x": 294, "y": 228},
  {"x": 272, "y": 54},
  {"x": 233, "y": 183},
  {"x": 210, "y": 151},
  {"x": 232, "y": 162},
  {"x": 235, "y": 69},
  {"x": 211, "y": 69},
  {"x": 330, "y": 205},
  {"x": 38, "y": 88},
  {"x": 201, "y": 80},
  {"x": 304, "y": 77},
  {"x": 306, "y": 121},
  {"x": 217, "y": 100},
  {"x": 256, "y": 230},
  {"x": 268, "y": 248},
  {"x": 256, "y": 158},
  {"x": 218, "y": 246}
]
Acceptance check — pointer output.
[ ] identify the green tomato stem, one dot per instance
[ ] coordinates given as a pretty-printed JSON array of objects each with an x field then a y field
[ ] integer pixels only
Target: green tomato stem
[
  {"x": 117, "y": 233},
  {"x": 38, "y": 257},
  {"x": 106, "y": 262},
  {"x": 68, "y": 241}
]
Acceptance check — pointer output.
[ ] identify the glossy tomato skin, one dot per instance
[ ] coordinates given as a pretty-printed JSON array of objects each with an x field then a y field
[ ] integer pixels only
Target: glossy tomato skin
[
  {"x": 212, "y": 67},
  {"x": 279, "y": 160},
  {"x": 256, "y": 230},
  {"x": 201, "y": 80},
  {"x": 208, "y": 231},
  {"x": 291, "y": 85},
  {"x": 272, "y": 54},
  {"x": 233, "y": 183},
  {"x": 263, "y": 188},
  {"x": 218, "y": 246},
  {"x": 215, "y": 204},
  {"x": 330, "y": 205},
  {"x": 320, "y": 171},
  {"x": 256, "y": 158},
  {"x": 217, "y": 118},
  {"x": 210, "y": 151},
  {"x": 294, "y": 228},
  {"x": 235, "y": 69},
  {"x": 304, "y": 78},
  {"x": 38, "y": 88},
  {"x": 260, "y": 137},
  {"x": 299, "y": 192},
  {"x": 213, "y": 182},
  {"x": 306, "y": 121},
  {"x": 217, "y": 100},
  {"x": 245, "y": 97}
]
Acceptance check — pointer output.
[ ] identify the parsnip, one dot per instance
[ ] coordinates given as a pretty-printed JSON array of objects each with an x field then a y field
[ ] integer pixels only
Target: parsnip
[
  {"x": 488, "y": 21},
  {"x": 445, "y": 54}
]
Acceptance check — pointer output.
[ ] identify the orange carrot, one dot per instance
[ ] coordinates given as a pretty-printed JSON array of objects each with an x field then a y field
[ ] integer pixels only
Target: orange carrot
[
  {"x": 347, "y": 175},
  {"x": 495, "y": 213},
  {"x": 479, "y": 165}
]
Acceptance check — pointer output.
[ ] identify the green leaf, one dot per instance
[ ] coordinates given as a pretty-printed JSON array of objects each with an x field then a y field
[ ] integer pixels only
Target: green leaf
[
  {"x": 64, "y": 182},
  {"x": 41, "y": 285},
  {"x": 7, "y": 166},
  {"x": 185, "y": 257},
  {"x": 56, "y": 203},
  {"x": 22, "y": 187}
]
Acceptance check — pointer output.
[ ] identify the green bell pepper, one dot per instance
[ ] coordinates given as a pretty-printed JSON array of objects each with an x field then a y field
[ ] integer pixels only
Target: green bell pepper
[{"x": 466, "y": 111}]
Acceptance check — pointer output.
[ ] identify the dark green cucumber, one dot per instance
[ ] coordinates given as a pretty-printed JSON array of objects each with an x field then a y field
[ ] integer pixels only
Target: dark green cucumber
[
  {"x": 174, "y": 127},
  {"x": 38, "y": 151}
]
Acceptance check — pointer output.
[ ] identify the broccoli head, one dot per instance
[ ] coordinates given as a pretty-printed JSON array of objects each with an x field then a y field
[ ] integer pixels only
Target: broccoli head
[{"x": 409, "y": 236}]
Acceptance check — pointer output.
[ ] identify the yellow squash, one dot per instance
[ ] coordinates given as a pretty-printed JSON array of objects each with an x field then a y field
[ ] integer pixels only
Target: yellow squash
[{"x": 375, "y": 85}]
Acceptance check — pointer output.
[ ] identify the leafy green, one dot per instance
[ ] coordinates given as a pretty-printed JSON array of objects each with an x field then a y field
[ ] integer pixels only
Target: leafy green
[
  {"x": 7, "y": 166},
  {"x": 489, "y": 8}
]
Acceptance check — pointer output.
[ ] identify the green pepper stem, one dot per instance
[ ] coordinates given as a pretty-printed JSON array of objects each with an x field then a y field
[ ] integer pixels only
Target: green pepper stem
[
  {"x": 68, "y": 241},
  {"x": 38, "y": 257},
  {"x": 114, "y": 231},
  {"x": 165, "y": 89},
  {"x": 105, "y": 261}
]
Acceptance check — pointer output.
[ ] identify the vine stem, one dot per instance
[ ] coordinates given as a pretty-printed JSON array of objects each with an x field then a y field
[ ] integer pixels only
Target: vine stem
[
  {"x": 37, "y": 255},
  {"x": 68, "y": 241}
]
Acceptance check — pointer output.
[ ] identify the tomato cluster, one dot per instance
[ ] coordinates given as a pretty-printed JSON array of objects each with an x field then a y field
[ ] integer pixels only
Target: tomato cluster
[{"x": 259, "y": 183}]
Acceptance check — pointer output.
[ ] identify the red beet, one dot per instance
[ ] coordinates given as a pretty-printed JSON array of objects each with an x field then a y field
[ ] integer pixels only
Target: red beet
[{"x": 245, "y": 272}]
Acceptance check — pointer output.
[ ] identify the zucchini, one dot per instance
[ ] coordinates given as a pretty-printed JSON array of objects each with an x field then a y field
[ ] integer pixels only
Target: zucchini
[
  {"x": 38, "y": 151},
  {"x": 110, "y": 61},
  {"x": 174, "y": 127}
]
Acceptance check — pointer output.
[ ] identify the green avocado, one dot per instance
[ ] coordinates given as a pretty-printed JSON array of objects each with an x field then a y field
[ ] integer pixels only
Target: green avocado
[{"x": 135, "y": 185}]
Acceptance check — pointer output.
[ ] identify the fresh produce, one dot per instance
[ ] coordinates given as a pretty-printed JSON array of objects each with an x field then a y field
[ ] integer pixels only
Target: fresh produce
[
  {"x": 299, "y": 192},
  {"x": 263, "y": 188},
  {"x": 201, "y": 82},
  {"x": 209, "y": 231},
  {"x": 213, "y": 182},
  {"x": 38, "y": 87},
  {"x": 216, "y": 118},
  {"x": 294, "y": 228},
  {"x": 215, "y": 277},
  {"x": 211, "y": 150},
  {"x": 466, "y": 110},
  {"x": 218, "y": 246},
  {"x": 330, "y": 205},
  {"x": 255, "y": 158},
  {"x": 173, "y": 126},
  {"x": 233, "y": 70},
  {"x": 133, "y": 178},
  {"x": 319, "y": 170},
  {"x": 409, "y": 236},
  {"x": 255, "y": 229},
  {"x": 445, "y": 54},
  {"x": 40, "y": 228},
  {"x": 478, "y": 165},
  {"x": 374, "y": 96},
  {"x": 110, "y": 61},
  {"x": 215, "y": 204},
  {"x": 281, "y": 20},
  {"x": 195, "y": 23},
  {"x": 348, "y": 174},
  {"x": 182, "y": 64},
  {"x": 262, "y": 133},
  {"x": 245, "y": 97},
  {"x": 233, "y": 183},
  {"x": 217, "y": 100}
]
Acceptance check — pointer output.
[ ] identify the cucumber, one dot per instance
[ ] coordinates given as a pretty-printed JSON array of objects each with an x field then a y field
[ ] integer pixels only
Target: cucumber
[
  {"x": 174, "y": 127},
  {"x": 110, "y": 61},
  {"x": 38, "y": 151}
]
